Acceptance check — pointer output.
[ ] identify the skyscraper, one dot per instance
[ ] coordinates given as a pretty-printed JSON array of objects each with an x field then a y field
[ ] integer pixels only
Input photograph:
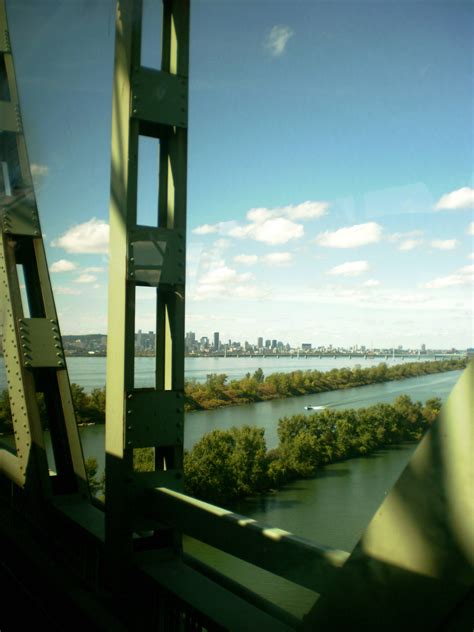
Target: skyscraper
[
  {"x": 216, "y": 341},
  {"x": 260, "y": 343}
]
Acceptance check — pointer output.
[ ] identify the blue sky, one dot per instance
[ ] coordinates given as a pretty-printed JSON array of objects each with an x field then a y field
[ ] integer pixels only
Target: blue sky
[{"x": 330, "y": 187}]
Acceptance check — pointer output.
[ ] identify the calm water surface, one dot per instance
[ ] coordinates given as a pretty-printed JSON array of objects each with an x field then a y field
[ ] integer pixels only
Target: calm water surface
[
  {"x": 331, "y": 509},
  {"x": 89, "y": 372}
]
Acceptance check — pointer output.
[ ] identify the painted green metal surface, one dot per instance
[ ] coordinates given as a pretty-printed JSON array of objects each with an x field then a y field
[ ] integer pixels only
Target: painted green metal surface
[
  {"x": 275, "y": 550},
  {"x": 415, "y": 562},
  {"x": 34, "y": 357},
  {"x": 149, "y": 103}
]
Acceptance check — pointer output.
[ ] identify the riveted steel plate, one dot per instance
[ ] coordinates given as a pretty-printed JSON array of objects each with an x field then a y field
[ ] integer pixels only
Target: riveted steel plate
[
  {"x": 159, "y": 97},
  {"x": 156, "y": 256},
  {"x": 40, "y": 343},
  {"x": 20, "y": 217},
  {"x": 154, "y": 418}
]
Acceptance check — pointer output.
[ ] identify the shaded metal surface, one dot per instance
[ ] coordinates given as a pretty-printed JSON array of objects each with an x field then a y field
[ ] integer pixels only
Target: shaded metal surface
[
  {"x": 415, "y": 561},
  {"x": 274, "y": 550},
  {"x": 33, "y": 351},
  {"x": 154, "y": 104}
]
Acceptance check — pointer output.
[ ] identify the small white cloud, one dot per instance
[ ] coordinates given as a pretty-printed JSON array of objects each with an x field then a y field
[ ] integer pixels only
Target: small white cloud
[
  {"x": 246, "y": 260},
  {"x": 63, "y": 265},
  {"x": 350, "y": 268},
  {"x": 463, "y": 276},
  {"x": 410, "y": 244},
  {"x": 471, "y": 256},
  {"x": 305, "y": 210},
  {"x": 85, "y": 278},
  {"x": 470, "y": 229},
  {"x": 277, "y": 39},
  {"x": 351, "y": 236},
  {"x": 225, "y": 282},
  {"x": 402, "y": 236},
  {"x": 206, "y": 229},
  {"x": 459, "y": 199},
  {"x": 273, "y": 231},
  {"x": 222, "y": 244},
  {"x": 39, "y": 170},
  {"x": 444, "y": 244},
  {"x": 94, "y": 269},
  {"x": 371, "y": 283},
  {"x": 88, "y": 238},
  {"x": 66, "y": 291},
  {"x": 278, "y": 258}
]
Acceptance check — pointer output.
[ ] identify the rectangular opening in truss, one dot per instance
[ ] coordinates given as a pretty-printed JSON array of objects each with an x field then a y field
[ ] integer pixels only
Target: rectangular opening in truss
[
  {"x": 148, "y": 181},
  {"x": 10, "y": 172},
  {"x": 4, "y": 87},
  {"x": 6, "y": 185},
  {"x": 152, "y": 27},
  {"x": 145, "y": 336},
  {"x": 22, "y": 285}
]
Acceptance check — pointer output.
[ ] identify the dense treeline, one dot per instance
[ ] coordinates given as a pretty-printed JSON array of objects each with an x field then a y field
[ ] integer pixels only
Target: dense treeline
[
  {"x": 229, "y": 464},
  {"x": 217, "y": 392},
  {"x": 89, "y": 408}
]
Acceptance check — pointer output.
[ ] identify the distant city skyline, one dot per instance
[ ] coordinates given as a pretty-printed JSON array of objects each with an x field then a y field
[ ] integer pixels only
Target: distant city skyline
[
  {"x": 145, "y": 343},
  {"x": 331, "y": 182}
]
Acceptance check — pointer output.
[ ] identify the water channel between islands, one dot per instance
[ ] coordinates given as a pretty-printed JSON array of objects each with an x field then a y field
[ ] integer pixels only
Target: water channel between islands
[{"x": 331, "y": 509}]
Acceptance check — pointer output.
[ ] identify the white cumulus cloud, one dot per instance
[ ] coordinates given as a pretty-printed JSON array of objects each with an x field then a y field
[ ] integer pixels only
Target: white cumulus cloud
[
  {"x": 39, "y": 170},
  {"x": 246, "y": 260},
  {"x": 459, "y": 199},
  {"x": 63, "y": 265},
  {"x": 371, "y": 283},
  {"x": 278, "y": 258},
  {"x": 206, "y": 229},
  {"x": 85, "y": 278},
  {"x": 224, "y": 282},
  {"x": 463, "y": 276},
  {"x": 410, "y": 244},
  {"x": 273, "y": 231},
  {"x": 351, "y": 236},
  {"x": 88, "y": 238},
  {"x": 94, "y": 269},
  {"x": 269, "y": 225},
  {"x": 444, "y": 244},
  {"x": 470, "y": 229},
  {"x": 66, "y": 291},
  {"x": 277, "y": 39},
  {"x": 350, "y": 268}
]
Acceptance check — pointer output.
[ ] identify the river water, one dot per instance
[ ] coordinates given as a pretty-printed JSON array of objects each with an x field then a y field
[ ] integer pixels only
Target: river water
[
  {"x": 331, "y": 509},
  {"x": 89, "y": 372}
]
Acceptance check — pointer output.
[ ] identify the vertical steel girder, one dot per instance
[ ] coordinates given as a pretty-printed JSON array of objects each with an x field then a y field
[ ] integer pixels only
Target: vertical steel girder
[
  {"x": 34, "y": 357},
  {"x": 151, "y": 103}
]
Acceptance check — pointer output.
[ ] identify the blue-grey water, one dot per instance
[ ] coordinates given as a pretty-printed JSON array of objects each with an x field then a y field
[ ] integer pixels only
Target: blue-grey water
[
  {"x": 89, "y": 372},
  {"x": 331, "y": 509}
]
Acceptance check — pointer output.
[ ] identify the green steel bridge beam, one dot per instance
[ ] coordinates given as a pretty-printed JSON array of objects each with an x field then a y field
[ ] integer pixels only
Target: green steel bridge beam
[
  {"x": 150, "y": 103},
  {"x": 34, "y": 357}
]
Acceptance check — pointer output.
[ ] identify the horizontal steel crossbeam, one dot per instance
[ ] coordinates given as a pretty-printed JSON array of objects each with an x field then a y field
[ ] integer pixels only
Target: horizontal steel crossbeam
[{"x": 277, "y": 551}]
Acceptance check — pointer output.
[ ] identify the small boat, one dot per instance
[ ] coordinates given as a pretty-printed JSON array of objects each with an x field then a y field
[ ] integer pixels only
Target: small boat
[{"x": 314, "y": 407}]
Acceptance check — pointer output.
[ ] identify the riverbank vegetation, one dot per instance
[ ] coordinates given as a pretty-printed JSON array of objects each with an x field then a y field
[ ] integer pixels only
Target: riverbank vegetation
[
  {"x": 225, "y": 465},
  {"x": 218, "y": 392}
]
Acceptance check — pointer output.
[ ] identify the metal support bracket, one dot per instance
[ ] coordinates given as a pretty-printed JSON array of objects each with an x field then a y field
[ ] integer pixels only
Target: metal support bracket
[
  {"x": 41, "y": 343},
  {"x": 20, "y": 217},
  {"x": 159, "y": 97},
  {"x": 156, "y": 256},
  {"x": 154, "y": 418}
]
